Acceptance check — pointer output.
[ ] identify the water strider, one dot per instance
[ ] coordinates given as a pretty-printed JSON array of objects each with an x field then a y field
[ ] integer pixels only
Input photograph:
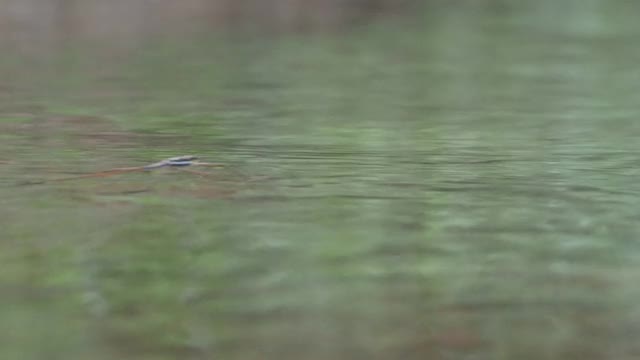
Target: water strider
[{"x": 177, "y": 162}]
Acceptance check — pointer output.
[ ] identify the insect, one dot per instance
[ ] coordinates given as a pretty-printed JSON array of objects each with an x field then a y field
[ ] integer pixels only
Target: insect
[
  {"x": 184, "y": 160},
  {"x": 177, "y": 161}
]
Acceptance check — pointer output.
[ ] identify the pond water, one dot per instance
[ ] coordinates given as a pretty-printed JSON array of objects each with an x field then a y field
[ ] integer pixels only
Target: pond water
[{"x": 452, "y": 185}]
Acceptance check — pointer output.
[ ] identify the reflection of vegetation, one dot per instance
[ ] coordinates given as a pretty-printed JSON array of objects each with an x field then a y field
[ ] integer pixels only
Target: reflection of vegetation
[{"x": 420, "y": 200}]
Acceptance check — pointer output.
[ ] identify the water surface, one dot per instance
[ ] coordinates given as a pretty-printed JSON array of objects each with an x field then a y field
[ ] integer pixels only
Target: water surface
[{"x": 455, "y": 185}]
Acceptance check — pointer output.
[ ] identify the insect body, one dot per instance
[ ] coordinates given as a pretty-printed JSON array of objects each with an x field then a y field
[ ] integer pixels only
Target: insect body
[{"x": 184, "y": 160}]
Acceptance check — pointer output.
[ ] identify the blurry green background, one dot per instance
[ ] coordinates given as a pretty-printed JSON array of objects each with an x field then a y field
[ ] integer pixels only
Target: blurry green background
[{"x": 403, "y": 180}]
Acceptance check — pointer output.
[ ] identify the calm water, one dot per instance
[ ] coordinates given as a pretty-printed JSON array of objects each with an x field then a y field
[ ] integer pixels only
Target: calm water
[{"x": 457, "y": 185}]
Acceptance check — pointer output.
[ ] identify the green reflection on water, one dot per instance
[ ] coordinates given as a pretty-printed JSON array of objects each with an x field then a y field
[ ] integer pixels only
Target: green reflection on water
[{"x": 454, "y": 189}]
